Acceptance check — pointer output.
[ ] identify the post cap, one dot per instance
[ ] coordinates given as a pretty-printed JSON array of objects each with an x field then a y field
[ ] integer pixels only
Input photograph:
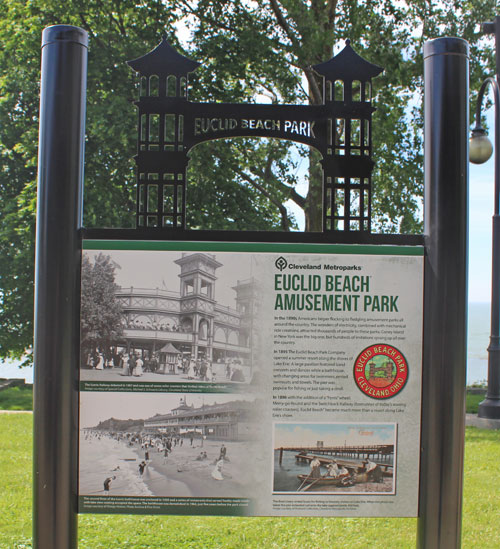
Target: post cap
[
  {"x": 65, "y": 33},
  {"x": 446, "y": 46}
]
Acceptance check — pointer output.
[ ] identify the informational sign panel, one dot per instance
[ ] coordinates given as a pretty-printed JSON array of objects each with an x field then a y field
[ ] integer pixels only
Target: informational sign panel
[{"x": 250, "y": 378}]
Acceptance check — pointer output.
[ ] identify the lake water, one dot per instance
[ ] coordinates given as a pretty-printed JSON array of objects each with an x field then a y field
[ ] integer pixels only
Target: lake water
[
  {"x": 104, "y": 457},
  {"x": 477, "y": 357},
  {"x": 477, "y": 342},
  {"x": 285, "y": 475}
]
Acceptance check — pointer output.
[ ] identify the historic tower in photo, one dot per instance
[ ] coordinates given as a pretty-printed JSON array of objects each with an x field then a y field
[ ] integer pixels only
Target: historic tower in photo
[{"x": 197, "y": 299}]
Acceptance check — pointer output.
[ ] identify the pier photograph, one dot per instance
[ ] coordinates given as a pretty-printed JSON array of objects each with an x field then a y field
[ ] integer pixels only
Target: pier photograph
[
  {"x": 165, "y": 316},
  {"x": 347, "y": 458},
  {"x": 150, "y": 444}
]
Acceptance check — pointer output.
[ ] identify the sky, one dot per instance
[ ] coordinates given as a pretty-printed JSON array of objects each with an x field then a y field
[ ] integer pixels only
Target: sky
[
  {"x": 481, "y": 203},
  {"x": 336, "y": 434},
  {"x": 156, "y": 269}
]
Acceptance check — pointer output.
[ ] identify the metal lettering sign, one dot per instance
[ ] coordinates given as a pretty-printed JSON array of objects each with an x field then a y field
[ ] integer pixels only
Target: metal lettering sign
[{"x": 170, "y": 126}]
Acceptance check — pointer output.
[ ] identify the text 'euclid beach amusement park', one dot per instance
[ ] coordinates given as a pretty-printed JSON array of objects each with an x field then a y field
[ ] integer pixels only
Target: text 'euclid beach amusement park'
[{"x": 314, "y": 292}]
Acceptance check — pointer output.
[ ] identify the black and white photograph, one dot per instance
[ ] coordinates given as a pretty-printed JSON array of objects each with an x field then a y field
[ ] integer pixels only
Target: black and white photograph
[
  {"x": 158, "y": 445},
  {"x": 165, "y": 316},
  {"x": 347, "y": 458}
]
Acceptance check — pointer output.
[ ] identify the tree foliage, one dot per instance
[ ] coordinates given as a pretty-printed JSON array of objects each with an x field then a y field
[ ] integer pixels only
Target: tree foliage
[
  {"x": 250, "y": 51},
  {"x": 101, "y": 311}
]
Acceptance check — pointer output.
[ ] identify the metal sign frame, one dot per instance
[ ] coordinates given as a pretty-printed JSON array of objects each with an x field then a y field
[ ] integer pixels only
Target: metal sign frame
[{"x": 58, "y": 259}]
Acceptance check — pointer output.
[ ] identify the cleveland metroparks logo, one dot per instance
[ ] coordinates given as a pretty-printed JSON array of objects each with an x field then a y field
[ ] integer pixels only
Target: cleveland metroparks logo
[{"x": 281, "y": 263}]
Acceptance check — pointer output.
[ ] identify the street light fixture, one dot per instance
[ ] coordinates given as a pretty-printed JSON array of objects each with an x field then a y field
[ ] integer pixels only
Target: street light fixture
[
  {"x": 480, "y": 150},
  {"x": 480, "y": 147}
]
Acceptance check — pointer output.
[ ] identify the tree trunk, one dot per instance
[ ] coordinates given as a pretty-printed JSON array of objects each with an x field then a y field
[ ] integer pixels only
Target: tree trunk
[{"x": 313, "y": 209}]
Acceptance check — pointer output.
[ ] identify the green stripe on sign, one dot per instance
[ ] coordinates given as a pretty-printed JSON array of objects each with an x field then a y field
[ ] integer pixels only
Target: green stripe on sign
[{"x": 262, "y": 247}]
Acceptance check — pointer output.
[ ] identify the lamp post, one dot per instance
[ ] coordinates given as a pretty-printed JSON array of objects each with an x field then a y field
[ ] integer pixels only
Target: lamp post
[{"x": 480, "y": 151}]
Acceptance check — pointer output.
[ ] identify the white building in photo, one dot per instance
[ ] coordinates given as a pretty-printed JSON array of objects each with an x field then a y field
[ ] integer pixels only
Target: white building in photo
[
  {"x": 233, "y": 420},
  {"x": 190, "y": 322}
]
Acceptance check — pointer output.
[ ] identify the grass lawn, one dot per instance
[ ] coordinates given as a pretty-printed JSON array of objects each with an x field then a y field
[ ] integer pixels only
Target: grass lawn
[
  {"x": 480, "y": 530},
  {"x": 17, "y": 398},
  {"x": 472, "y": 402}
]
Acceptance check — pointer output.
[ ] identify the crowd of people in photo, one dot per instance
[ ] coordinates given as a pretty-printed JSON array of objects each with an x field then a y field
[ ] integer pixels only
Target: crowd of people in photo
[
  {"x": 137, "y": 362},
  {"x": 148, "y": 325},
  {"x": 164, "y": 445},
  {"x": 99, "y": 360}
]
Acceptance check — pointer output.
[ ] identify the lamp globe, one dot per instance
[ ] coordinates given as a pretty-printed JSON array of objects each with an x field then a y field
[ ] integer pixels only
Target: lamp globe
[{"x": 480, "y": 147}]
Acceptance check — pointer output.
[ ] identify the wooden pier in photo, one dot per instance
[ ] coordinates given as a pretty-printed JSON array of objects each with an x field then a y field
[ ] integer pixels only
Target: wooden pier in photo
[{"x": 379, "y": 452}]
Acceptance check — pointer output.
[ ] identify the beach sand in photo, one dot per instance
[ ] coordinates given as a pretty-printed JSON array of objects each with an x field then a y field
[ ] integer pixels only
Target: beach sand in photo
[
  {"x": 180, "y": 475},
  {"x": 182, "y": 466}
]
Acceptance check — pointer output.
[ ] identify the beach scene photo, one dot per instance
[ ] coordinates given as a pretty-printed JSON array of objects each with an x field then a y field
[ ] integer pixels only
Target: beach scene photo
[
  {"x": 148, "y": 444},
  {"x": 348, "y": 458}
]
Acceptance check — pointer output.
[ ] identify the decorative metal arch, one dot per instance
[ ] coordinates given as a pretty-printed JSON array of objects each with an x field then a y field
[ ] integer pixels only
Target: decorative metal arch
[{"x": 169, "y": 125}]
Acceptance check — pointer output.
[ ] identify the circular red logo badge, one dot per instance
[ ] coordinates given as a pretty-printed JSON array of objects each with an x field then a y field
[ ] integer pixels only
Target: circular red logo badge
[{"x": 381, "y": 371}]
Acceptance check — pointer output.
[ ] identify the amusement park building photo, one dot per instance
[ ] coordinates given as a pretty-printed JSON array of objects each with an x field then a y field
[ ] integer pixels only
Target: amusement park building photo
[{"x": 176, "y": 332}]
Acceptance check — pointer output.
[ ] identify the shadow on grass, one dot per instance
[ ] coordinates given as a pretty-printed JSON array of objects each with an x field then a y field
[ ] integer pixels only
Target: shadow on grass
[{"x": 17, "y": 398}]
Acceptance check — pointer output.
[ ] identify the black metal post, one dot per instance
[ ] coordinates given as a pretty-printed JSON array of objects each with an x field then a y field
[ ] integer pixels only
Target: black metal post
[
  {"x": 490, "y": 407},
  {"x": 446, "y": 116},
  {"x": 57, "y": 281}
]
